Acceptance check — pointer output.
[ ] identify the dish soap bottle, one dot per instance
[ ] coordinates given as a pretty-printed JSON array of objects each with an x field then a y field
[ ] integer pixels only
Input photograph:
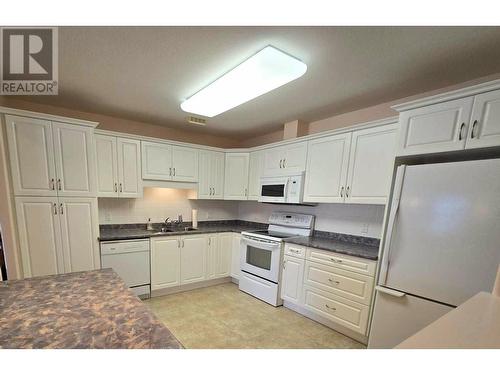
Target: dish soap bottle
[{"x": 149, "y": 225}]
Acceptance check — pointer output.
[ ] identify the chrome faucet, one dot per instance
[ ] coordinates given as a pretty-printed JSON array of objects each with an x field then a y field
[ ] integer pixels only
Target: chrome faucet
[{"x": 179, "y": 220}]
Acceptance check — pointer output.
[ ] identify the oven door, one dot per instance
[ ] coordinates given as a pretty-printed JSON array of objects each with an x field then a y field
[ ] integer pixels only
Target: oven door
[
  {"x": 273, "y": 190},
  {"x": 261, "y": 258}
]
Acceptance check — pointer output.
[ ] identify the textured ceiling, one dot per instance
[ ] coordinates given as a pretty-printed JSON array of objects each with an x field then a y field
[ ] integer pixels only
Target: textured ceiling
[{"x": 144, "y": 73}]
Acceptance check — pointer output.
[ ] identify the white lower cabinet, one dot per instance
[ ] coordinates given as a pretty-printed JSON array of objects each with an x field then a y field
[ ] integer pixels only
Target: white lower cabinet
[
  {"x": 329, "y": 285},
  {"x": 165, "y": 262},
  {"x": 235, "y": 256},
  {"x": 193, "y": 258},
  {"x": 292, "y": 279},
  {"x": 57, "y": 235},
  {"x": 223, "y": 255}
]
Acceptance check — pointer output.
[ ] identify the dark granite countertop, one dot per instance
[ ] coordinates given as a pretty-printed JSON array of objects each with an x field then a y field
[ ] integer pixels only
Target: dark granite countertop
[
  {"x": 92, "y": 309},
  {"x": 138, "y": 231},
  {"x": 363, "y": 247}
]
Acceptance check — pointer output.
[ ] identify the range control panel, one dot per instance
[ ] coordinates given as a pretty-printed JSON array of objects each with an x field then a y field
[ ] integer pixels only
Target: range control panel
[{"x": 292, "y": 219}]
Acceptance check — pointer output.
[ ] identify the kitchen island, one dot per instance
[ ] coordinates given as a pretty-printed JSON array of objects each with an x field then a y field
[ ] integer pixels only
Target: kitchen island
[{"x": 87, "y": 310}]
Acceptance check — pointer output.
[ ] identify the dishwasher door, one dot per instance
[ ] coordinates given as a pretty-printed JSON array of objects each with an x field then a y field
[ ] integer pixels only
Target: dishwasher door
[{"x": 129, "y": 259}]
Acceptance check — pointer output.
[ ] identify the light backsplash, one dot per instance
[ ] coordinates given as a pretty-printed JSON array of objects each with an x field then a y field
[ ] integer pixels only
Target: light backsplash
[
  {"x": 160, "y": 203},
  {"x": 355, "y": 219}
]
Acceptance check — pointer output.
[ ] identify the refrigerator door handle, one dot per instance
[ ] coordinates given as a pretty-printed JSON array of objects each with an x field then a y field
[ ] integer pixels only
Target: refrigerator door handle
[
  {"x": 398, "y": 186},
  {"x": 391, "y": 292}
]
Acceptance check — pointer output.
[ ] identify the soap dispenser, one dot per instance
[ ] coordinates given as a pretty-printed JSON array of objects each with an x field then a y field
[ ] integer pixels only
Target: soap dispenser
[{"x": 150, "y": 225}]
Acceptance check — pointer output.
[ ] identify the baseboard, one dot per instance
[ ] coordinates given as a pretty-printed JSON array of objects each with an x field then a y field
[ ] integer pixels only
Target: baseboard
[
  {"x": 337, "y": 327},
  {"x": 234, "y": 280},
  {"x": 191, "y": 286}
]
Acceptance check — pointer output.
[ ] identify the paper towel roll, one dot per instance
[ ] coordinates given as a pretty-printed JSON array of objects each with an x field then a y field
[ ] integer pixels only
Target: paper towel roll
[{"x": 194, "y": 218}]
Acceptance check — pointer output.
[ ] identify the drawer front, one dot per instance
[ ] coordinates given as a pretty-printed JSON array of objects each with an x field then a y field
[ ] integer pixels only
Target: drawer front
[
  {"x": 339, "y": 310},
  {"x": 349, "y": 263},
  {"x": 351, "y": 285},
  {"x": 295, "y": 250}
]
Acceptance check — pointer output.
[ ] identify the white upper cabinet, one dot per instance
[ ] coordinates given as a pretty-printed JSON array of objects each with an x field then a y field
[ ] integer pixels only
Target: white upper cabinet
[
  {"x": 161, "y": 161},
  {"x": 236, "y": 176},
  {"x": 285, "y": 160},
  {"x": 326, "y": 171},
  {"x": 107, "y": 166},
  {"x": 211, "y": 175},
  {"x": 484, "y": 130},
  {"x": 49, "y": 158},
  {"x": 184, "y": 164},
  {"x": 434, "y": 128},
  {"x": 255, "y": 170},
  {"x": 129, "y": 168},
  {"x": 31, "y": 156},
  {"x": 156, "y": 161},
  {"x": 74, "y": 157},
  {"x": 371, "y": 164},
  {"x": 79, "y": 232}
]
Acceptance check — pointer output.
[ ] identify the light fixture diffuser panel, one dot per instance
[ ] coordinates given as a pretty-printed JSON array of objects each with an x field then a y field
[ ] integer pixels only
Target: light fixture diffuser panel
[{"x": 265, "y": 71}]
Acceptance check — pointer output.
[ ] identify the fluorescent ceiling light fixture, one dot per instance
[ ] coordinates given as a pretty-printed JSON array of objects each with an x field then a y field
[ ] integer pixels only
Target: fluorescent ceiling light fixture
[{"x": 265, "y": 71}]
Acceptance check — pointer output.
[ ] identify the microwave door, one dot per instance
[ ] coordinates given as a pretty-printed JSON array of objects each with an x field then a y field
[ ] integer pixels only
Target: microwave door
[{"x": 273, "y": 192}]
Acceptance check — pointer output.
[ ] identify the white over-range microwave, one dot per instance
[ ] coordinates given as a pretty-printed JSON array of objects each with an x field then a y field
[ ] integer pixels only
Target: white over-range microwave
[{"x": 283, "y": 189}]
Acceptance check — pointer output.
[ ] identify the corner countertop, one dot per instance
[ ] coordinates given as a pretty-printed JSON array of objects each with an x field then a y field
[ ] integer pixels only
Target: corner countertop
[
  {"x": 475, "y": 324},
  {"x": 138, "y": 231},
  {"x": 357, "y": 246},
  {"x": 87, "y": 310}
]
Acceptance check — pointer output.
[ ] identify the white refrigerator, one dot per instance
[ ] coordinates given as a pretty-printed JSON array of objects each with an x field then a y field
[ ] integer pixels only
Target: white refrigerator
[{"x": 441, "y": 246}]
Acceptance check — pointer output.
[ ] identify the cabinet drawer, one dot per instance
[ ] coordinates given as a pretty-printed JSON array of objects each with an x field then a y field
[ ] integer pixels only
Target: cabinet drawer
[
  {"x": 346, "y": 262},
  {"x": 295, "y": 250},
  {"x": 339, "y": 310},
  {"x": 351, "y": 285}
]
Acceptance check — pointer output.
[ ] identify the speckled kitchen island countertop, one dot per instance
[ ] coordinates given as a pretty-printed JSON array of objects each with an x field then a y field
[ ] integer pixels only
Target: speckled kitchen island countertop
[
  {"x": 357, "y": 246},
  {"x": 89, "y": 310}
]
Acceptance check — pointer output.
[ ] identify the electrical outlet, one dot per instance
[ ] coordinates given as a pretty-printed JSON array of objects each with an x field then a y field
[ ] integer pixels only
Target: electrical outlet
[{"x": 364, "y": 228}]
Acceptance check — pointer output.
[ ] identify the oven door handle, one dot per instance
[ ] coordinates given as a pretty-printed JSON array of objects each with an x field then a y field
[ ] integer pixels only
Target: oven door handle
[{"x": 261, "y": 244}]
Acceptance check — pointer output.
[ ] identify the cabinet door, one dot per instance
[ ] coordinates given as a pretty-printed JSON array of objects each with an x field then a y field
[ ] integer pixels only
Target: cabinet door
[
  {"x": 235, "y": 256},
  {"x": 165, "y": 262},
  {"x": 74, "y": 157},
  {"x": 31, "y": 153},
  {"x": 79, "y": 232},
  {"x": 371, "y": 163},
  {"x": 434, "y": 128},
  {"x": 193, "y": 258},
  {"x": 107, "y": 166},
  {"x": 156, "y": 161},
  {"x": 184, "y": 164},
  {"x": 255, "y": 169},
  {"x": 129, "y": 168},
  {"x": 212, "y": 256},
  {"x": 294, "y": 161},
  {"x": 326, "y": 170},
  {"x": 485, "y": 121},
  {"x": 39, "y": 236},
  {"x": 236, "y": 176},
  {"x": 273, "y": 161},
  {"x": 218, "y": 175},
  {"x": 224, "y": 255},
  {"x": 292, "y": 279},
  {"x": 206, "y": 169}
]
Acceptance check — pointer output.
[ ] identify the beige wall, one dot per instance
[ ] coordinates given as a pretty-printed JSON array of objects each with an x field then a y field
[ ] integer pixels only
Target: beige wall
[{"x": 124, "y": 125}]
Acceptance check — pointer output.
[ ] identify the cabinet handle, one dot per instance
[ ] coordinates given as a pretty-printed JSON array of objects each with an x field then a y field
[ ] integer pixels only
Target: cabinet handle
[
  {"x": 61, "y": 209},
  {"x": 213, "y": 191},
  {"x": 182, "y": 242},
  {"x": 336, "y": 260},
  {"x": 330, "y": 307},
  {"x": 284, "y": 163},
  {"x": 347, "y": 192},
  {"x": 284, "y": 262},
  {"x": 174, "y": 171},
  {"x": 474, "y": 124},
  {"x": 334, "y": 281},
  {"x": 116, "y": 187},
  {"x": 209, "y": 241},
  {"x": 246, "y": 192},
  {"x": 52, "y": 184},
  {"x": 121, "y": 188},
  {"x": 342, "y": 192},
  {"x": 460, "y": 136},
  {"x": 58, "y": 184},
  {"x": 170, "y": 171},
  {"x": 55, "y": 209}
]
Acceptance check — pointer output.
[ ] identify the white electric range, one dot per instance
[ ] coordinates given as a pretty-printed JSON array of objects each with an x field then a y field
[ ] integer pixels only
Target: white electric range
[{"x": 261, "y": 254}]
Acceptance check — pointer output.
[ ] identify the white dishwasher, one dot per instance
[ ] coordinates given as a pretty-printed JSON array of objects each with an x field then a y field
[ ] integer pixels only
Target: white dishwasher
[{"x": 130, "y": 260}]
